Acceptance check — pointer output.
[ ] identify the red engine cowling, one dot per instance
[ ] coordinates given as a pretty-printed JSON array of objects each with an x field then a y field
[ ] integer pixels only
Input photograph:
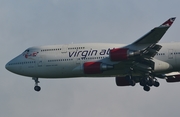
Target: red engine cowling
[
  {"x": 175, "y": 78},
  {"x": 95, "y": 67},
  {"x": 120, "y": 54},
  {"x": 122, "y": 81}
]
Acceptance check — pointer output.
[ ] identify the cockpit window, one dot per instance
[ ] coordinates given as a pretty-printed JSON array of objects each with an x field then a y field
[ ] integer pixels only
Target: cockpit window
[
  {"x": 26, "y": 51},
  {"x": 30, "y": 53}
]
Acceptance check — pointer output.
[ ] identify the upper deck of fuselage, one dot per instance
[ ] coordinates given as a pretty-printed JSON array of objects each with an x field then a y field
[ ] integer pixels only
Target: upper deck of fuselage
[
  {"x": 91, "y": 45},
  {"x": 75, "y": 46},
  {"x": 88, "y": 46}
]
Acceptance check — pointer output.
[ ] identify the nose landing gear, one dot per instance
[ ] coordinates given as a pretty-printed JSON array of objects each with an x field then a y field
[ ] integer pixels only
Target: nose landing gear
[{"x": 36, "y": 87}]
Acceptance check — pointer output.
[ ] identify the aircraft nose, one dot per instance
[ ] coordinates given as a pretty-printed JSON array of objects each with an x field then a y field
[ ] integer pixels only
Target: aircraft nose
[
  {"x": 8, "y": 67},
  {"x": 12, "y": 65}
]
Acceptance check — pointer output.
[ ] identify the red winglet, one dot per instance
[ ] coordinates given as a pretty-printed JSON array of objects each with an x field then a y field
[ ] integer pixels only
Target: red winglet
[{"x": 169, "y": 22}]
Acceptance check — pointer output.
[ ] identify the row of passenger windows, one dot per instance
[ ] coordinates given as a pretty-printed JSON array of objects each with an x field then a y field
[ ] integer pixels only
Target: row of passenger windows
[
  {"x": 160, "y": 54},
  {"x": 30, "y": 62},
  {"x": 56, "y": 49},
  {"x": 77, "y": 59},
  {"x": 60, "y": 60},
  {"x": 76, "y": 48},
  {"x": 92, "y": 58},
  {"x": 51, "y": 49},
  {"x": 176, "y": 53},
  {"x": 170, "y": 53}
]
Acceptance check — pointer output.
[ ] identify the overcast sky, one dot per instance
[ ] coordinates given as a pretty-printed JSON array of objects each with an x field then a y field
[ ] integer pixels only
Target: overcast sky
[{"x": 26, "y": 23}]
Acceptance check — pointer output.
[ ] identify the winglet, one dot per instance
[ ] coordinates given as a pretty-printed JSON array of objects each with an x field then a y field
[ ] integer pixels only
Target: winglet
[{"x": 169, "y": 22}]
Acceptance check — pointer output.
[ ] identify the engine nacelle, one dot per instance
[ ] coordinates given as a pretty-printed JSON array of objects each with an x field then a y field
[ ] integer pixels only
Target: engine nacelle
[
  {"x": 122, "y": 81},
  {"x": 160, "y": 66},
  {"x": 120, "y": 54},
  {"x": 95, "y": 67},
  {"x": 175, "y": 78}
]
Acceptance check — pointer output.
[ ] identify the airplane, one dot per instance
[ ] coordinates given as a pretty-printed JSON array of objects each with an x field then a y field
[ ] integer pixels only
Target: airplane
[{"x": 142, "y": 61}]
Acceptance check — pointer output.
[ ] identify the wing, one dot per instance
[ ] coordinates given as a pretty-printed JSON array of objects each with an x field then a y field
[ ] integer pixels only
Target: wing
[
  {"x": 153, "y": 36},
  {"x": 148, "y": 47},
  {"x": 141, "y": 66},
  {"x": 144, "y": 48}
]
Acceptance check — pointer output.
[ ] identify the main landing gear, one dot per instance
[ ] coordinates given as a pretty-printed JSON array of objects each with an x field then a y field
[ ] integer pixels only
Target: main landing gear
[
  {"x": 148, "y": 82},
  {"x": 36, "y": 87}
]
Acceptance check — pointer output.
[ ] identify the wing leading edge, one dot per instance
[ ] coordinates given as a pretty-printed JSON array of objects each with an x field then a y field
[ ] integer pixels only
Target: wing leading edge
[
  {"x": 155, "y": 34},
  {"x": 152, "y": 37}
]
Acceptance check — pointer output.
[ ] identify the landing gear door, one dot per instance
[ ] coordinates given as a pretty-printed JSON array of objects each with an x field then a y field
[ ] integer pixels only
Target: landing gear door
[
  {"x": 40, "y": 61},
  {"x": 78, "y": 61},
  {"x": 170, "y": 54},
  {"x": 172, "y": 57},
  {"x": 64, "y": 49},
  {"x": 78, "y": 69}
]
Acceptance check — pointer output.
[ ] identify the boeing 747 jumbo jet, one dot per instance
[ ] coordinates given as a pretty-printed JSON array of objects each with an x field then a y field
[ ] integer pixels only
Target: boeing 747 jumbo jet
[{"x": 141, "y": 62}]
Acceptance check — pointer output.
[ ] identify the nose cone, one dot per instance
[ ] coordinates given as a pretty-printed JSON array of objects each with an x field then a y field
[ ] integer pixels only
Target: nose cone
[
  {"x": 12, "y": 65},
  {"x": 8, "y": 66}
]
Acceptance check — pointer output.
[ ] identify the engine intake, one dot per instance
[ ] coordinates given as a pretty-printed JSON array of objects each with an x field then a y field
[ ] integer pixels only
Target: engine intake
[
  {"x": 120, "y": 54},
  {"x": 96, "y": 67}
]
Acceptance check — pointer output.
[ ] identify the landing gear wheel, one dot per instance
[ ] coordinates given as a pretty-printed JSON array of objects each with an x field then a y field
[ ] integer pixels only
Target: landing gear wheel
[
  {"x": 146, "y": 88},
  {"x": 142, "y": 83},
  {"x": 37, "y": 88},
  {"x": 156, "y": 84}
]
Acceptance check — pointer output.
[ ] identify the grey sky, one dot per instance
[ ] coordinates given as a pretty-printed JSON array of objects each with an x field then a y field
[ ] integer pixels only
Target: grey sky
[{"x": 41, "y": 22}]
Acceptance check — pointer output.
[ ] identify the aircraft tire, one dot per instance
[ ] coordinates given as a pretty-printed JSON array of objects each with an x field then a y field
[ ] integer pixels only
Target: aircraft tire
[
  {"x": 150, "y": 82},
  {"x": 156, "y": 84},
  {"x": 146, "y": 88},
  {"x": 37, "y": 88}
]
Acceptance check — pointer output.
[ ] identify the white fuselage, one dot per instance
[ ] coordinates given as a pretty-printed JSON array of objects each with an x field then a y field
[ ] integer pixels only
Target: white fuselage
[{"x": 63, "y": 61}]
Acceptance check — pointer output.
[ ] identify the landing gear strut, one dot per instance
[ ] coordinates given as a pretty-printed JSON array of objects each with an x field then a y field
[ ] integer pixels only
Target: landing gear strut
[
  {"x": 130, "y": 80},
  {"x": 36, "y": 87}
]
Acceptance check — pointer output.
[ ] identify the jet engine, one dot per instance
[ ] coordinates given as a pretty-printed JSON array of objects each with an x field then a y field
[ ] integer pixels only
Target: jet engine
[
  {"x": 120, "y": 54},
  {"x": 122, "y": 81},
  {"x": 175, "y": 78},
  {"x": 96, "y": 67},
  {"x": 160, "y": 66}
]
